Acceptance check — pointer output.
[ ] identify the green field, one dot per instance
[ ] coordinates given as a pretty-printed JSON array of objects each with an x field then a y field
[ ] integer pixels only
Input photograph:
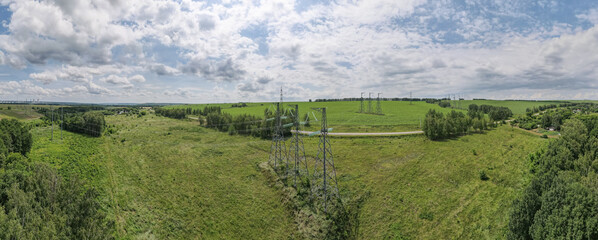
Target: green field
[
  {"x": 345, "y": 117},
  {"x": 21, "y": 112},
  {"x": 164, "y": 178}
]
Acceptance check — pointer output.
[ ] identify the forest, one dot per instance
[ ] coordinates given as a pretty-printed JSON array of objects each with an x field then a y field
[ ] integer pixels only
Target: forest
[{"x": 38, "y": 203}]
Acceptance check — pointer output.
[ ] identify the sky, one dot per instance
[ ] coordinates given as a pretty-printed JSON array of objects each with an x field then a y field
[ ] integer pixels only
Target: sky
[{"x": 138, "y": 51}]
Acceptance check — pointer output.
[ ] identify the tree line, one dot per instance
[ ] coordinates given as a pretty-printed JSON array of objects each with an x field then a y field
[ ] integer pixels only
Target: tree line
[
  {"x": 171, "y": 113},
  {"x": 561, "y": 200},
  {"x": 246, "y": 124},
  {"x": 85, "y": 120},
  {"x": 549, "y": 117},
  {"x": 38, "y": 203}
]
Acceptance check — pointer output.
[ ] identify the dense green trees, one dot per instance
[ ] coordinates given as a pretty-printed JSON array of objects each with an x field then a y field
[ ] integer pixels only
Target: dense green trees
[
  {"x": 171, "y": 113},
  {"x": 85, "y": 120},
  {"x": 14, "y": 137},
  {"x": 438, "y": 126},
  {"x": 36, "y": 202},
  {"x": 561, "y": 201},
  {"x": 494, "y": 112},
  {"x": 243, "y": 124}
]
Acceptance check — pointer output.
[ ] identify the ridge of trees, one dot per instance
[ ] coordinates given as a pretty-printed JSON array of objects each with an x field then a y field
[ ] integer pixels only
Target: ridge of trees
[
  {"x": 85, "y": 120},
  {"x": 561, "y": 200}
]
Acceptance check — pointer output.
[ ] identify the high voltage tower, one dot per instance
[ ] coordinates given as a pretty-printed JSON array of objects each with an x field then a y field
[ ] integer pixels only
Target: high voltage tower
[
  {"x": 361, "y": 106},
  {"x": 378, "y": 105},
  {"x": 324, "y": 187},
  {"x": 297, "y": 151},
  {"x": 278, "y": 148},
  {"x": 370, "y": 103}
]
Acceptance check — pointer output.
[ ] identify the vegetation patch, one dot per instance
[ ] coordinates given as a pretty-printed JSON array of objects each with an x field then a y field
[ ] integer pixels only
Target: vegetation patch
[{"x": 339, "y": 222}]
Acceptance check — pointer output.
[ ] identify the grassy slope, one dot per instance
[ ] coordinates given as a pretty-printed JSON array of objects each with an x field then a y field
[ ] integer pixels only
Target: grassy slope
[
  {"x": 172, "y": 179},
  {"x": 410, "y": 179},
  {"x": 21, "y": 112},
  {"x": 196, "y": 183}
]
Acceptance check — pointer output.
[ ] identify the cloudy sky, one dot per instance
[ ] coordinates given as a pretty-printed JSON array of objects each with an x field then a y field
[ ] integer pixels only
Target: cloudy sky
[{"x": 228, "y": 51}]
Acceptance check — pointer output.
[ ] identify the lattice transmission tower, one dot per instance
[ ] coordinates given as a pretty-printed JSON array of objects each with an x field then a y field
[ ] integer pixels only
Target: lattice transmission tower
[
  {"x": 324, "y": 185},
  {"x": 277, "y": 148},
  {"x": 361, "y": 105},
  {"x": 370, "y": 103},
  {"x": 378, "y": 105},
  {"x": 296, "y": 155}
]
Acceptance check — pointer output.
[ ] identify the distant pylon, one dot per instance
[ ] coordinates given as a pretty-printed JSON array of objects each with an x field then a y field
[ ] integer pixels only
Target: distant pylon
[
  {"x": 410, "y": 98},
  {"x": 361, "y": 106},
  {"x": 370, "y": 103},
  {"x": 325, "y": 186},
  {"x": 378, "y": 105},
  {"x": 297, "y": 151}
]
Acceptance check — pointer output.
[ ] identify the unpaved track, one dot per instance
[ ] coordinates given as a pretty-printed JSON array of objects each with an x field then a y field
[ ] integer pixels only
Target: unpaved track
[{"x": 367, "y": 134}]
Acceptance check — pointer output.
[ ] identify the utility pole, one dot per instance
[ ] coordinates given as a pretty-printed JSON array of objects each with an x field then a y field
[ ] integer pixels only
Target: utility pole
[
  {"x": 361, "y": 106},
  {"x": 378, "y": 105},
  {"x": 370, "y": 103},
  {"x": 52, "y": 138},
  {"x": 297, "y": 151},
  {"x": 325, "y": 187},
  {"x": 61, "y": 120}
]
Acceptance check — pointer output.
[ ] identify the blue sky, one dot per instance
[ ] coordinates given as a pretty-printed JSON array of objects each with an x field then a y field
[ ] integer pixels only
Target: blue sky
[{"x": 230, "y": 51}]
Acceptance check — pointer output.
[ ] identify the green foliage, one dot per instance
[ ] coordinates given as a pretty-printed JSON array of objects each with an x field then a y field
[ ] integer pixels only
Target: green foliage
[
  {"x": 171, "y": 113},
  {"x": 36, "y": 203},
  {"x": 15, "y": 137},
  {"x": 483, "y": 175},
  {"x": 562, "y": 198},
  {"x": 437, "y": 126}
]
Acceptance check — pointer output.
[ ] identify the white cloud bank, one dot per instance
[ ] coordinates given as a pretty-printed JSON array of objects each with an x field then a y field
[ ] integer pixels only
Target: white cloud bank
[{"x": 245, "y": 50}]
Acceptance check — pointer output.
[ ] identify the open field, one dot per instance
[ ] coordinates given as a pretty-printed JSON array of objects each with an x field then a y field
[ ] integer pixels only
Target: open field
[
  {"x": 168, "y": 178},
  {"x": 345, "y": 116},
  {"x": 399, "y": 116},
  {"x": 21, "y": 112},
  {"x": 164, "y": 179}
]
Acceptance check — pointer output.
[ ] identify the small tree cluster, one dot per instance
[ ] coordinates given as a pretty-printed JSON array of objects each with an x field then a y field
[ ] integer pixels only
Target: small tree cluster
[
  {"x": 171, "y": 113},
  {"x": 494, "y": 112},
  {"x": 438, "y": 126}
]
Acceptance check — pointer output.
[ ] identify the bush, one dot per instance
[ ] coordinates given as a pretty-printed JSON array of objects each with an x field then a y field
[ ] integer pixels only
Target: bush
[
  {"x": 544, "y": 136},
  {"x": 483, "y": 175}
]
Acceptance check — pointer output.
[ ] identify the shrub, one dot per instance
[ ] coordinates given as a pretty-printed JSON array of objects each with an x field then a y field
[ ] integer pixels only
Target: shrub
[{"x": 483, "y": 175}]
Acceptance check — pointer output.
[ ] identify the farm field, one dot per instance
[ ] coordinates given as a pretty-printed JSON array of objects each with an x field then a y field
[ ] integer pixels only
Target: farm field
[
  {"x": 165, "y": 178},
  {"x": 344, "y": 116}
]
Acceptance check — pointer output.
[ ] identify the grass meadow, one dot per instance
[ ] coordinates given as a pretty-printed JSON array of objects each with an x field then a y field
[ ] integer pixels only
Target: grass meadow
[
  {"x": 21, "y": 112},
  {"x": 345, "y": 116},
  {"x": 162, "y": 178}
]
